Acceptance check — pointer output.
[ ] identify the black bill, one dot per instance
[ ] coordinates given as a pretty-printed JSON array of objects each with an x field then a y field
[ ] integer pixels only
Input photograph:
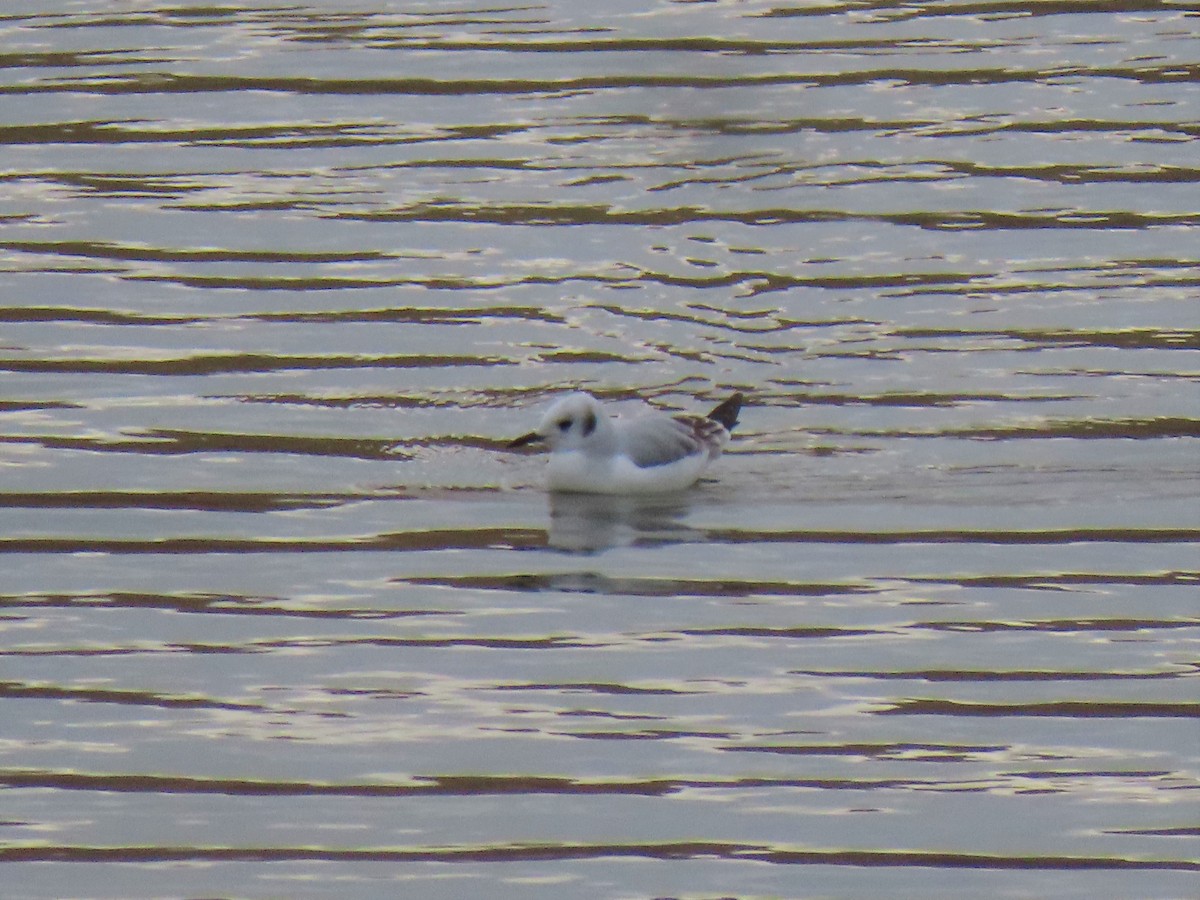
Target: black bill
[{"x": 525, "y": 440}]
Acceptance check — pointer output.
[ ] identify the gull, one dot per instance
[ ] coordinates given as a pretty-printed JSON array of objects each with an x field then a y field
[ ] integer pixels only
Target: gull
[{"x": 594, "y": 452}]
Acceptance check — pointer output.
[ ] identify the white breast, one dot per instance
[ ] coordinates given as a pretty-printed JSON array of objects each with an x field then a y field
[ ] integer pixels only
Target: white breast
[{"x": 578, "y": 471}]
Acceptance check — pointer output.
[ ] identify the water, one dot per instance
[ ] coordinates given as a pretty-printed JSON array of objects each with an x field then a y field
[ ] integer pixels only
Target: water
[{"x": 281, "y": 617}]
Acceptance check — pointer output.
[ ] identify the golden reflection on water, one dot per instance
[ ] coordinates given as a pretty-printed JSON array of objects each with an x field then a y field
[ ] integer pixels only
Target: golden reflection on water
[{"x": 270, "y": 318}]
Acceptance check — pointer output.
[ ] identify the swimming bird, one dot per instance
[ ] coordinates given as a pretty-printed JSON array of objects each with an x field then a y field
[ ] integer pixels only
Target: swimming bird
[{"x": 594, "y": 452}]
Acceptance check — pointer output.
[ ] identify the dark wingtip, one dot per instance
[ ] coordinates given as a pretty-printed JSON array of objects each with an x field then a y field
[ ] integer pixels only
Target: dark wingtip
[{"x": 727, "y": 412}]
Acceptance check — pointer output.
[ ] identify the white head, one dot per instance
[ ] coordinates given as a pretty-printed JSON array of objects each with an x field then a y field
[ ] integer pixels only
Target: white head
[{"x": 575, "y": 422}]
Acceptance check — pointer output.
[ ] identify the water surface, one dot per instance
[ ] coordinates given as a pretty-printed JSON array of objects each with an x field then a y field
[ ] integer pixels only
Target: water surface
[{"x": 281, "y": 617}]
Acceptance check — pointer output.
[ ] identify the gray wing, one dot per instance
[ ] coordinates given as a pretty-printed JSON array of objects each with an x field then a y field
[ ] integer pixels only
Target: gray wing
[{"x": 658, "y": 440}]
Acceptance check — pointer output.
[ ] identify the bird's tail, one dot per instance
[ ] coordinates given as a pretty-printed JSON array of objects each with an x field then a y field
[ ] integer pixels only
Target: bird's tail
[{"x": 727, "y": 412}]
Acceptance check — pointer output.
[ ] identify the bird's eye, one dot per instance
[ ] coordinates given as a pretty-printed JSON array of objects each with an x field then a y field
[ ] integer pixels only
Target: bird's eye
[{"x": 563, "y": 425}]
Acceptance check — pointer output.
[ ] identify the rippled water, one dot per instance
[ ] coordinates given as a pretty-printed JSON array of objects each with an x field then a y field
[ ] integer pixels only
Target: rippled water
[{"x": 280, "y": 617}]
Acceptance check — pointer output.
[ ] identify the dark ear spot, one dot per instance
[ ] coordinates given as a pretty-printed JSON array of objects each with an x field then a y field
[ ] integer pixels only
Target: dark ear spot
[{"x": 589, "y": 423}]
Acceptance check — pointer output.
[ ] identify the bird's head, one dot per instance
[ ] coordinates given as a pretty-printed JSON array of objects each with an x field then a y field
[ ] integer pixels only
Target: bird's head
[{"x": 569, "y": 424}]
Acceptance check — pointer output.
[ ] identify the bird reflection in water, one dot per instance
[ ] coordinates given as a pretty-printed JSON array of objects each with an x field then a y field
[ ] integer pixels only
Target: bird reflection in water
[{"x": 594, "y": 522}]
